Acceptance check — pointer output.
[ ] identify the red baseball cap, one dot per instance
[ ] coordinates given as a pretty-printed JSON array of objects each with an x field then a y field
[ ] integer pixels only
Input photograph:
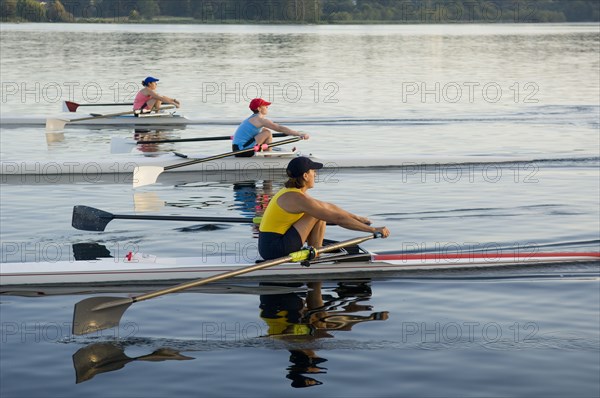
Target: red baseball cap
[{"x": 257, "y": 103}]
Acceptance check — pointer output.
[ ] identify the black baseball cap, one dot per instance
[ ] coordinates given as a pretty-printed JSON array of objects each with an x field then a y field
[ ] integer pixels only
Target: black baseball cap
[{"x": 301, "y": 165}]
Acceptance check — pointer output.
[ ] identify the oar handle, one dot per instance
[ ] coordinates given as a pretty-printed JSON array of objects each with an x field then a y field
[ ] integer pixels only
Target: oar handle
[
  {"x": 227, "y": 154},
  {"x": 298, "y": 256}
]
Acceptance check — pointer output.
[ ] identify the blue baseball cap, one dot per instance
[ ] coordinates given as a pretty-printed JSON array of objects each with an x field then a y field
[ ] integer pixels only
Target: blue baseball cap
[{"x": 149, "y": 80}]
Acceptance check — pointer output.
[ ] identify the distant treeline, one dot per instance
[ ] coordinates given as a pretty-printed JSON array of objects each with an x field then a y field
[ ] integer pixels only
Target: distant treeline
[{"x": 301, "y": 11}]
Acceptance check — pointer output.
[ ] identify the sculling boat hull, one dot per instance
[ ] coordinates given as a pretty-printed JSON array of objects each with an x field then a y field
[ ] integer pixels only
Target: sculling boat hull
[
  {"x": 7, "y": 121},
  {"x": 117, "y": 121},
  {"x": 272, "y": 162},
  {"x": 142, "y": 268}
]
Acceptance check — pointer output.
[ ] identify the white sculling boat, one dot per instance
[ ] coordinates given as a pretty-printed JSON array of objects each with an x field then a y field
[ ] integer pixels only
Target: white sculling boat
[
  {"x": 149, "y": 120},
  {"x": 265, "y": 161},
  {"x": 162, "y": 120},
  {"x": 353, "y": 261}
]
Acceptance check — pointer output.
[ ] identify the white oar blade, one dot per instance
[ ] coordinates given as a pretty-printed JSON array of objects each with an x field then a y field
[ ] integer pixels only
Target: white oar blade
[
  {"x": 55, "y": 124},
  {"x": 121, "y": 145},
  {"x": 146, "y": 175}
]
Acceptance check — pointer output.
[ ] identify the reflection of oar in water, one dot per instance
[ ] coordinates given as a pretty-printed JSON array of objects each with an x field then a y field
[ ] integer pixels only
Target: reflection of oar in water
[
  {"x": 98, "y": 313},
  {"x": 59, "y": 123},
  {"x": 146, "y": 175},
  {"x": 122, "y": 145},
  {"x": 90, "y": 219},
  {"x": 107, "y": 357}
]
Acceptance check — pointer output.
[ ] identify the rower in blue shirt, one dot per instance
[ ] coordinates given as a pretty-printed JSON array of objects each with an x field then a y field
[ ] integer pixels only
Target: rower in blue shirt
[{"x": 256, "y": 130}]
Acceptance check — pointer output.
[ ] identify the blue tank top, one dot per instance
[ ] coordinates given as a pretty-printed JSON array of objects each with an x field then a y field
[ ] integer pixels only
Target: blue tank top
[{"x": 245, "y": 133}]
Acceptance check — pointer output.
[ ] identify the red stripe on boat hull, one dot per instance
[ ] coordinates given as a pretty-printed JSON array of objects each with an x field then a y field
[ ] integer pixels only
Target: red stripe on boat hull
[{"x": 482, "y": 256}]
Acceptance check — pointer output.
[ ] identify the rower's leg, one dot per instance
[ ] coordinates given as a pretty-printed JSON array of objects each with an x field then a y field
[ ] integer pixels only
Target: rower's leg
[
  {"x": 157, "y": 105},
  {"x": 304, "y": 226},
  {"x": 311, "y": 230},
  {"x": 153, "y": 104},
  {"x": 264, "y": 137},
  {"x": 315, "y": 238}
]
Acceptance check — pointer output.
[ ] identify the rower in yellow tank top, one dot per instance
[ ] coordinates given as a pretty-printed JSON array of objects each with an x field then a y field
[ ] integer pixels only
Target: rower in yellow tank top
[
  {"x": 275, "y": 219},
  {"x": 293, "y": 217}
]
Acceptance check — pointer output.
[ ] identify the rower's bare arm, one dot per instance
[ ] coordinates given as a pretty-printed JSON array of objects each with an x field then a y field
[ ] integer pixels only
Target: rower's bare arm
[
  {"x": 363, "y": 223},
  {"x": 170, "y": 100},
  {"x": 283, "y": 129},
  {"x": 164, "y": 99},
  {"x": 326, "y": 212},
  {"x": 338, "y": 209}
]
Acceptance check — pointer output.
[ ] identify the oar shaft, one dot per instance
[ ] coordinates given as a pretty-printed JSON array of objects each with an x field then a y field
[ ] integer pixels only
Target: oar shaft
[
  {"x": 184, "y": 218},
  {"x": 100, "y": 116},
  {"x": 108, "y": 104},
  {"x": 293, "y": 257},
  {"x": 227, "y": 154},
  {"x": 113, "y": 114},
  {"x": 218, "y": 138},
  {"x": 72, "y": 106}
]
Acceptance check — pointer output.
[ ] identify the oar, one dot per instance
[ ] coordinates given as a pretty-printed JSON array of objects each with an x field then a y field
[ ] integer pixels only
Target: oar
[
  {"x": 99, "y": 313},
  {"x": 146, "y": 175},
  {"x": 91, "y": 219},
  {"x": 72, "y": 106},
  {"x": 59, "y": 123},
  {"x": 87, "y": 218},
  {"x": 122, "y": 145}
]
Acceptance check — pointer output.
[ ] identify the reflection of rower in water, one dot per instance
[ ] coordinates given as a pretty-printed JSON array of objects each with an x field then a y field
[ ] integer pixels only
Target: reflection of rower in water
[
  {"x": 140, "y": 135},
  {"x": 291, "y": 317},
  {"x": 251, "y": 200}
]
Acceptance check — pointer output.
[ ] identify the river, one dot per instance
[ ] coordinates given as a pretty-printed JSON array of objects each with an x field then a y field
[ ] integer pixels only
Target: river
[{"x": 410, "y": 90}]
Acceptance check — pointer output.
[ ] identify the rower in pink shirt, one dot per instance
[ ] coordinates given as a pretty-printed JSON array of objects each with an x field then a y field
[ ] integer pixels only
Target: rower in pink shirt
[{"x": 147, "y": 99}]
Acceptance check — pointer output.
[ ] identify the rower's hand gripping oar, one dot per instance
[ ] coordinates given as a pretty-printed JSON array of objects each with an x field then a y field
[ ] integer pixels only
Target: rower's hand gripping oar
[
  {"x": 59, "y": 123},
  {"x": 146, "y": 175},
  {"x": 122, "y": 145},
  {"x": 91, "y": 219},
  {"x": 99, "y": 313}
]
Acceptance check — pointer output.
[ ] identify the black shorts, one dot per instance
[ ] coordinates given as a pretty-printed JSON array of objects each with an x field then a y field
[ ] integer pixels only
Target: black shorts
[
  {"x": 272, "y": 245},
  {"x": 248, "y": 154}
]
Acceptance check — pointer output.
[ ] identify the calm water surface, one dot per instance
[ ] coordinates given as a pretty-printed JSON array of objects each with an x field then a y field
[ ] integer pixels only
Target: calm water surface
[{"x": 509, "y": 90}]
